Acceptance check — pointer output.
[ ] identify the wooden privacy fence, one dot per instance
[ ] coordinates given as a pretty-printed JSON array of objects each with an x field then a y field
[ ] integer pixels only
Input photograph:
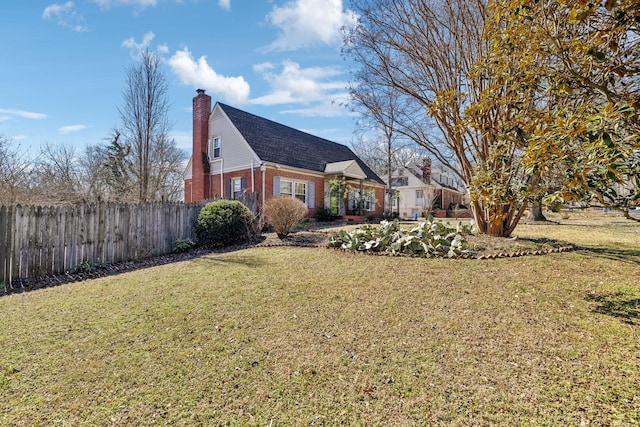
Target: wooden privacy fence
[{"x": 37, "y": 241}]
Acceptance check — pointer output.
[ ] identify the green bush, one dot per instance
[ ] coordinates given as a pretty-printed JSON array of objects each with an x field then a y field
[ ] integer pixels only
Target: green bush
[
  {"x": 283, "y": 213},
  {"x": 428, "y": 239},
  {"x": 224, "y": 222},
  {"x": 324, "y": 214},
  {"x": 183, "y": 246}
]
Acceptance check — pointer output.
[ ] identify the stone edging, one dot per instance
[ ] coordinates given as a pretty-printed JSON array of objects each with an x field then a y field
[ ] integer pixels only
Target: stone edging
[{"x": 567, "y": 248}]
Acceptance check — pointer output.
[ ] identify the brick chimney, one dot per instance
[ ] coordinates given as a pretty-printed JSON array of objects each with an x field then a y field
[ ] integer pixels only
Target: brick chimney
[
  {"x": 200, "y": 172},
  {"x": 426, "y": 170}
]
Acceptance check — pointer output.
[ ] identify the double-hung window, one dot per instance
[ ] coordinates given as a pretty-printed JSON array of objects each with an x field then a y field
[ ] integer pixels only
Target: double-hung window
[
  {"x": 301, "y": 191},
  {"x": 237, "y": 188},
  {"x": 367, "y": 199},
  {"x": 419, "y": 198},
  {"x": 214, "y": 148},
  {"x": 294, "y": 189},
  {"x": 286, "y": 188},
  {"x": 289, "y": 187}
]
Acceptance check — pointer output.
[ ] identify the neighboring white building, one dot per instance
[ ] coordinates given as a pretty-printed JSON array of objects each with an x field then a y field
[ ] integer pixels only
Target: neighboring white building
[{"x": 421, "y": 188}]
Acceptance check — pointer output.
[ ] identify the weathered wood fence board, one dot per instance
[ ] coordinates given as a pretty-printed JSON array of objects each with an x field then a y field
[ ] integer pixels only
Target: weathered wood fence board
[{"x": 36, "y": 241}]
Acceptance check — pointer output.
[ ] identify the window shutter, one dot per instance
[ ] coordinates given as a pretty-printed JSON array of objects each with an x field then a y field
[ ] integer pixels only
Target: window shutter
[
  {"x": 243, "y": 183},
  {"x": 276, "y": 186},
  {"x": 311, "y": 195},
  {"x": 227, "y": 188}
]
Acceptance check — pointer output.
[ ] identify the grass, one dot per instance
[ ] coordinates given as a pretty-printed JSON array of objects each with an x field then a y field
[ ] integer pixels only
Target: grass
[{"x": 298, "y": 336}]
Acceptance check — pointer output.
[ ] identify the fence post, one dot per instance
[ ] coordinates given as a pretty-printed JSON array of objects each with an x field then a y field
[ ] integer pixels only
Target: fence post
[{"x": 6, "y": 244}]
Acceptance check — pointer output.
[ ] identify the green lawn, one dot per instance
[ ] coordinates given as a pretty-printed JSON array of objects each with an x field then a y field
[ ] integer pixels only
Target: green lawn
[{"x": 298, "y": 336}]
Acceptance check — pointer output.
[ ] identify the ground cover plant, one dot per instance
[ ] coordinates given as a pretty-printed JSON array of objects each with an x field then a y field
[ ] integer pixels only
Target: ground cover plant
[
  {"x": 426, "y": 239},
  {"x": 308, "y": 336}
]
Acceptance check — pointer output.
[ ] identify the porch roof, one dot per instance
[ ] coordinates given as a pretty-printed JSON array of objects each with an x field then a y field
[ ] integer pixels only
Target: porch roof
[{"x": 347, "y": 168}]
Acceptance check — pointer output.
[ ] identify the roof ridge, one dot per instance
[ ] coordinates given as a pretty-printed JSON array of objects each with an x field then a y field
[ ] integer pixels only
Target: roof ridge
[{"x": 223, "y": 105}]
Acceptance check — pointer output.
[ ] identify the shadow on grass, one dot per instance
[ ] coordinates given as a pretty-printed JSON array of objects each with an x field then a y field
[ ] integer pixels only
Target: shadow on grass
[
  {"x": 618, "y": 305},
  {"x": 244, "y": 260},
  {"x": 631, "y": 256},
  {"x": 542, "y": 241}
]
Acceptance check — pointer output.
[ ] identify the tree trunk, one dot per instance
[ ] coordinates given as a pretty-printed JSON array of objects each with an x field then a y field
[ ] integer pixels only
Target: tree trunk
[{"x": 536, "y": 211}]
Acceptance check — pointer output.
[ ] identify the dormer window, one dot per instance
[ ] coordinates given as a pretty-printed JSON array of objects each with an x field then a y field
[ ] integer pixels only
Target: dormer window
[{"x": 213, "y": 150}]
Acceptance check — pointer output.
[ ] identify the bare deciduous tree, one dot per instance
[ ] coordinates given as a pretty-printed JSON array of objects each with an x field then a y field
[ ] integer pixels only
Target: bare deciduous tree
[
  {"x": 145, "y": 128},
  {"x": 381, "y": 109},
  {"x": 426, "y": 52},
  {"x": 14, "y": 173},
  {"x": 56, "y": 176}
]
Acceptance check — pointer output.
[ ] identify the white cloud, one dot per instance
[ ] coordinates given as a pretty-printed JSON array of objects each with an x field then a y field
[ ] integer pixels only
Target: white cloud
[
  {"x": 225, "y": 4},
  {"x": 199, "y": 73},
  {"x": 137, "y": 4},
  {"x": 136, "y": 47},
  {"x": 71, "y": 128},
  {"x": 66, "y": 16},
  {"x": 163, "y": 48},
  {"x": 329, "y": 107},
  {"x": 298, "y": 85},
  {"x": 305, "y": 23},
  {"x": 23, "y": 114},
  {"x": 184, "y": 140},
  {"x": 265, "y": 66}
]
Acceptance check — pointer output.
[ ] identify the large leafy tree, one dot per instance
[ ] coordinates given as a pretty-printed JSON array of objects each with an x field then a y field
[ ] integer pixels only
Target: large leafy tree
[{"x": 570, "y": 72}]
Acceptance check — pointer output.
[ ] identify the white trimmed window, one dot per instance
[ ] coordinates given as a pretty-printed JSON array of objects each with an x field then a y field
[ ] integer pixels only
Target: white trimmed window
[
  {"x": 368, "y": 200},
  {"x": 419, "y": 198},
  {"x": 237, "y": 188},
  {"x": 213, "y": 149},
  {"x": 301, "y": 190},
  {"x": 286, "y": 188},
  {"x": 294, "y": 189}
]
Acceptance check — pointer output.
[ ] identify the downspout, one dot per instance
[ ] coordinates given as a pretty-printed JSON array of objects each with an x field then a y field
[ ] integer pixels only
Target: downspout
[
  {"x": 253, "y": 178},
  {"x": 361, "y": 201},
  {"x": 222, "y": 178},
  {"x": 263, "y": 169}
]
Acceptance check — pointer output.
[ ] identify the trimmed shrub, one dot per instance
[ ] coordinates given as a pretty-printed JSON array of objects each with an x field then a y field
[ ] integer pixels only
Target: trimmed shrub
[
  {"x": 283, "y": 213},
  {"x": 224, "y": 222}
]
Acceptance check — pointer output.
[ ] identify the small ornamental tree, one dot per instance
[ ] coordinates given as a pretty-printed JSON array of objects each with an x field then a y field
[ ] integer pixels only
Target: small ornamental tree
[
  {"x": 284, "y": 212},
  {"x": 224, "y": 222}
]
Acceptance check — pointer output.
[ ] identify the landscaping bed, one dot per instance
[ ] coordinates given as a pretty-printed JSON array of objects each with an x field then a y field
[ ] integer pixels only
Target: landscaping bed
[{"x": 482, "y": 246}]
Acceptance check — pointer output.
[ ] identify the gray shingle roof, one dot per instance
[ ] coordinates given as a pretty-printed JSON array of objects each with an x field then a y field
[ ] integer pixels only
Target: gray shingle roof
[{"x": 277, "y": 143}]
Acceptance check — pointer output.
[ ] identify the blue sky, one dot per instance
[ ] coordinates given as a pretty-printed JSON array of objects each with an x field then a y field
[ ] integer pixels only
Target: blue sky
[{"x": 63, "y": 64}]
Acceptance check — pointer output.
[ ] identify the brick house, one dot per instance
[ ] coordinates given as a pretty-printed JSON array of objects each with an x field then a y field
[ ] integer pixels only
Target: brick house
[{"x": 236, "y": 152}]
